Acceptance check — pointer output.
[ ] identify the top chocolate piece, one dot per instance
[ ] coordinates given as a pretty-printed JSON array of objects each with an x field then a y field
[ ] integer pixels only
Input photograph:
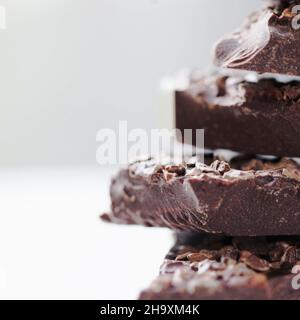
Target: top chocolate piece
[
  {"x": 268, "y": 42},
  {"x": 281, "y": 3},
  {"x": 205, "y": 267}
]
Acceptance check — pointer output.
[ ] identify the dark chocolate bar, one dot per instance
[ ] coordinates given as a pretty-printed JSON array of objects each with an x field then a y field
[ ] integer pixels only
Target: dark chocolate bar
[
  {"x": 204, "y": 267},
  {"x": 269, "y": 42},
  {"x": 259, "y": 117},
  {"x": 242, "y": 198}
]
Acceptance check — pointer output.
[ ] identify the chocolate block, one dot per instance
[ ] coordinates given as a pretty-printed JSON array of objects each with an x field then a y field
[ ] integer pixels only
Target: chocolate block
[
  {"x": 203, "y": 267},
  {"x": 269, "y": 41},
  {"x": 246, "y": 197},
  {"x": 261, "y": 116}
]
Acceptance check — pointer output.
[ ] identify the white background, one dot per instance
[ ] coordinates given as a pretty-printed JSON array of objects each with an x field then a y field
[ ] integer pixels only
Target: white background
[
  {"x": 68, "y": 69},
  {"x": 72, "y": 67},
  {"x": 53, "y": 245}
]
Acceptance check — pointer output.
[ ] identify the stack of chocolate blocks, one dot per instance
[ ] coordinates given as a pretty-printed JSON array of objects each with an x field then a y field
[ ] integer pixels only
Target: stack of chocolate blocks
[{"x": 237, "y": 215}]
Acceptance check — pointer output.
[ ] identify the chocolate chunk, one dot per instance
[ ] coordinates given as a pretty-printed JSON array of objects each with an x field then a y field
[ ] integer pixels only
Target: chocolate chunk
[
  {"x": 289, "y": 257},
  {"x": 253, "y": 279},
  {"x": 269, "y": 41},
  {"x": 197, "y": 257},
  {"x": 277, "y": 252},
  {"x": 260, "y": 117},
  {"x": 184, "y": 256},
  {"x": 235, "y": 203},
  {"x": 220, "y": 166},
  {"x": 202, "y": 255},
  {"x": 229, "y": 252},
  {"x": 257, "y": 264}
]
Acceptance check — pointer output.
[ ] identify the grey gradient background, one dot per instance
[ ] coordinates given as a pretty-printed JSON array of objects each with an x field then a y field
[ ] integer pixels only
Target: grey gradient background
[{"x": 72, "y": 67}]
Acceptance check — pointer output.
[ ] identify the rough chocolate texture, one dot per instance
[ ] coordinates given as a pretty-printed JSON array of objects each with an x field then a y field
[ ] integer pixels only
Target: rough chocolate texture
[
  {"x": 267, "y": 42},
  {"x": 260, "y": 117},
  {"x": 201, "y": 267},
  {"x": 280, "y": 5},
  {"x": 246, "y": 197}
]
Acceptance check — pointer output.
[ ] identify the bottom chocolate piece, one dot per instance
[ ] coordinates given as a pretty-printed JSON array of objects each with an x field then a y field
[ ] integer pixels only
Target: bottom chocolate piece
[{"x": 203, "y": 267}]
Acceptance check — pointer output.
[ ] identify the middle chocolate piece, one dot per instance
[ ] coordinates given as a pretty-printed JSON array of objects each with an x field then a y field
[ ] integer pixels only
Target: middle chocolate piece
[
  {"x": 254, "y": 117},
  {"x": 245, "y": 197}
]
